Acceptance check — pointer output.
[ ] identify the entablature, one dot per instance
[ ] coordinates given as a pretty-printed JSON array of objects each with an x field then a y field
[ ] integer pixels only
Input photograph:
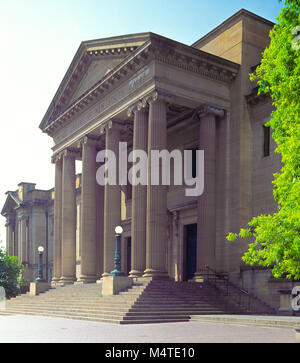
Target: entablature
[{"x": 136, "y": 68}]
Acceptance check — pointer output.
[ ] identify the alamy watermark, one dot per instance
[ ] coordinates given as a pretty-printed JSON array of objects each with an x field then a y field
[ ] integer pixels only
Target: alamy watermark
[
  {"x": 153, "y": 169},
  {"x": 296, "y": 298}
]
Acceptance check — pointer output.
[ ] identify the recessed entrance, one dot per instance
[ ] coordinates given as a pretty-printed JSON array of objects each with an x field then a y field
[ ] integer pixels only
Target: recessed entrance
[
  {"x": 190, "y": 252},
  {"x": 128, "y": 248}
]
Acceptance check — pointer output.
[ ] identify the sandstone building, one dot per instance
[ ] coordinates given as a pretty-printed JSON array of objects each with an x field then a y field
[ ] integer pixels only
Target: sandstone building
[
  {"x": 156, "y": 93},
  {"x": 29, "y": 224}
]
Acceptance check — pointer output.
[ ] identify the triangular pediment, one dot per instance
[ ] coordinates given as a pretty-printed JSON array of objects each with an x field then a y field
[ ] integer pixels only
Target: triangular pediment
[
  {"x": 96, "y": 71},
  {"x": 12, "y": 202},
  {"x": 93, "y": 60}
]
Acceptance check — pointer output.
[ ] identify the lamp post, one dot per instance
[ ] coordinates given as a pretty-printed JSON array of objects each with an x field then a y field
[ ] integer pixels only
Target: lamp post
[
  {"x": 117, "y": 268},
  {"x": 40, "y": 265}
]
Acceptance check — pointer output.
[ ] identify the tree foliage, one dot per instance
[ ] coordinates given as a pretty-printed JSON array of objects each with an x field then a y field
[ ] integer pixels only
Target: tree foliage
[
  {"x": 276, "y": 238},
  {"x": 10, "y": 272}
]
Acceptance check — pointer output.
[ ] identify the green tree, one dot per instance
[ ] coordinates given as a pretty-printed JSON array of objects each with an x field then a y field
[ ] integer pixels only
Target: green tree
[
  {"x": 10, "y": 273},
  {"x": 276, "y": 238}
]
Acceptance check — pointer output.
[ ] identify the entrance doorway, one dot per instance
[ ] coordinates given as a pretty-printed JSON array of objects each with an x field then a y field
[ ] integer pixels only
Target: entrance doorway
[
  {"x": 190, "y": 252},
  {"x": 128, "y": 251}
]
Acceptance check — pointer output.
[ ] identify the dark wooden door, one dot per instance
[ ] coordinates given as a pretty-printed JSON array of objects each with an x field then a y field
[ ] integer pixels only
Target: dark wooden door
[{"x": 191, "y": 251}]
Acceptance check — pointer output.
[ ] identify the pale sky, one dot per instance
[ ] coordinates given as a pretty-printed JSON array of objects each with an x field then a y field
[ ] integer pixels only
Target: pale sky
[{"x": 39, "y": 39}]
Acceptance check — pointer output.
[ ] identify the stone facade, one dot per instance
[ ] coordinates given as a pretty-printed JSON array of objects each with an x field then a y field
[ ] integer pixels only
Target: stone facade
[
  {"x": 155, "y": 93},
  {"x": 29, "y": 224}
]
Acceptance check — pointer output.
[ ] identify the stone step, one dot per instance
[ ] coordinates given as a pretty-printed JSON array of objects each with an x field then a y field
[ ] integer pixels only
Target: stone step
[
  {"x": 145, "y": 300},
  {"x": 175, "y": 312},
  {"x": 179, "y": 293},
  {"x": 116, "y": 306},
  {"x": 157, "y": 321},
  {"x": 156, "y": 317},
  {"x": 179, "y": 308},
  {"x": 176, "y": 298},
  {"x": 107, "y": 317},
  {"x": 67, "y": 313},
  {"x": 117, "y": 310},
  {"x": 114, "y": 309},
  {"x": 74, "y": 308},
  {"x": 70, "y": 316}
]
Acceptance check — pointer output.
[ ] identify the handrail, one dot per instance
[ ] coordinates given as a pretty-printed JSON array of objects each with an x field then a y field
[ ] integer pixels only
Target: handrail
[{"x": 241, "y": 292}]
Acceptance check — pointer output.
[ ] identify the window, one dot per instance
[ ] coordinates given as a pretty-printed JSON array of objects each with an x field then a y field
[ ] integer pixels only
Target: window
[{"x": 266, "y": 130}]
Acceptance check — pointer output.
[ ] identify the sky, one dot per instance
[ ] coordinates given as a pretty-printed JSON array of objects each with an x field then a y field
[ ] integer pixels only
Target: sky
[{"x": 38, "y": 40}]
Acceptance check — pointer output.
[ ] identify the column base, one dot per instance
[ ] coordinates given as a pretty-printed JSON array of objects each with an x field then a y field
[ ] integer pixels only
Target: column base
[
  {"x": 84, "y": 279},
  {"x": 55, "y": 281},
  {"x": 136, "y": 273},
  {"x": 200, "y": 277},
  {"x": 67, "y": 281},
  {"x": 155, "y": 274}
]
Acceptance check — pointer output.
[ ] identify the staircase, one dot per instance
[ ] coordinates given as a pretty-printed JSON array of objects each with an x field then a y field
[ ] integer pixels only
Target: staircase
[
  {"x": 154, "y": 301},
  {"x": 234, "y": 294}
]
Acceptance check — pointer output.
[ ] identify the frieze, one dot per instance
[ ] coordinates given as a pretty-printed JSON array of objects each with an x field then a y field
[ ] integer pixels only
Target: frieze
[
  {"x": 100, "y": 107},
  {"x": 140, "y": 79},
  {"x": 196, "y": 63}
]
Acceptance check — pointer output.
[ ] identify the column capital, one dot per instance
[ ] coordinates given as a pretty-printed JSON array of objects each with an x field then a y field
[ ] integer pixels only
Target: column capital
[
  {"x": 71, "y": 153},
  {"x": 140, "y": 106},
  {"x": 23, "y": 217},
  {"x": 159, "y": 96},
  {"x": 113, "y": 125},
  {"x": 88, "y": 140},
  {"x": 209, "y": 110},
  {"x": 143, "y": 104},
  {"x": 57, "y": 157},
  {"x": 10, "y": 218}
]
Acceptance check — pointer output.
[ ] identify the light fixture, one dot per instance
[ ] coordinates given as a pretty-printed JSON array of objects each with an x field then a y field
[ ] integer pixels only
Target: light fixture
[
  {"x": 117, "y": 266},
  {"x": 119, "y": 230},
  {"x": 40, "y": 265},
  {"x": 41, "y": 249}
]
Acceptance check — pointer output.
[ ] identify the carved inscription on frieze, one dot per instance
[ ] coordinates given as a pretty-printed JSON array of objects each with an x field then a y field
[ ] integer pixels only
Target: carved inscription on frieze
[{"x": 108, "y": 101}]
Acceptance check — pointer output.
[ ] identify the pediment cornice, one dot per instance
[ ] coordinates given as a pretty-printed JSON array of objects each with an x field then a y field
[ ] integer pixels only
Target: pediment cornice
[{"x": 137, "y": 56}]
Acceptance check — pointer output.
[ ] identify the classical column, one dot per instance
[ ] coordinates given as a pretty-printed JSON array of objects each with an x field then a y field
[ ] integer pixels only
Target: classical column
[
  {"x": 99, "y": 229},
  {"x": 206, "y": 225},
  {"x": 112, "y": 199},
  {"x": 57, "y": 233},
  {"x": 88, "y": 211},
  {"x": 9, "y": 235},
  {"x": 156, "y": 234},
  {"x": 23, "y": 240},
  {"x": 19, "y": 235},
  {"x": 139, "y": 196},
  {"x": 68, "y": 218}
]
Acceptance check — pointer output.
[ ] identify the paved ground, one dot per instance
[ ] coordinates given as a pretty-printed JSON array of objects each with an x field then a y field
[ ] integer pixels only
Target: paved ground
[{"x": 35, "y": 329}]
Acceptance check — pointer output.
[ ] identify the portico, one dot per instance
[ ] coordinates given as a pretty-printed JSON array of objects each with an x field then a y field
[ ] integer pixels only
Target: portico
[{"x": 157, "y": 86}]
